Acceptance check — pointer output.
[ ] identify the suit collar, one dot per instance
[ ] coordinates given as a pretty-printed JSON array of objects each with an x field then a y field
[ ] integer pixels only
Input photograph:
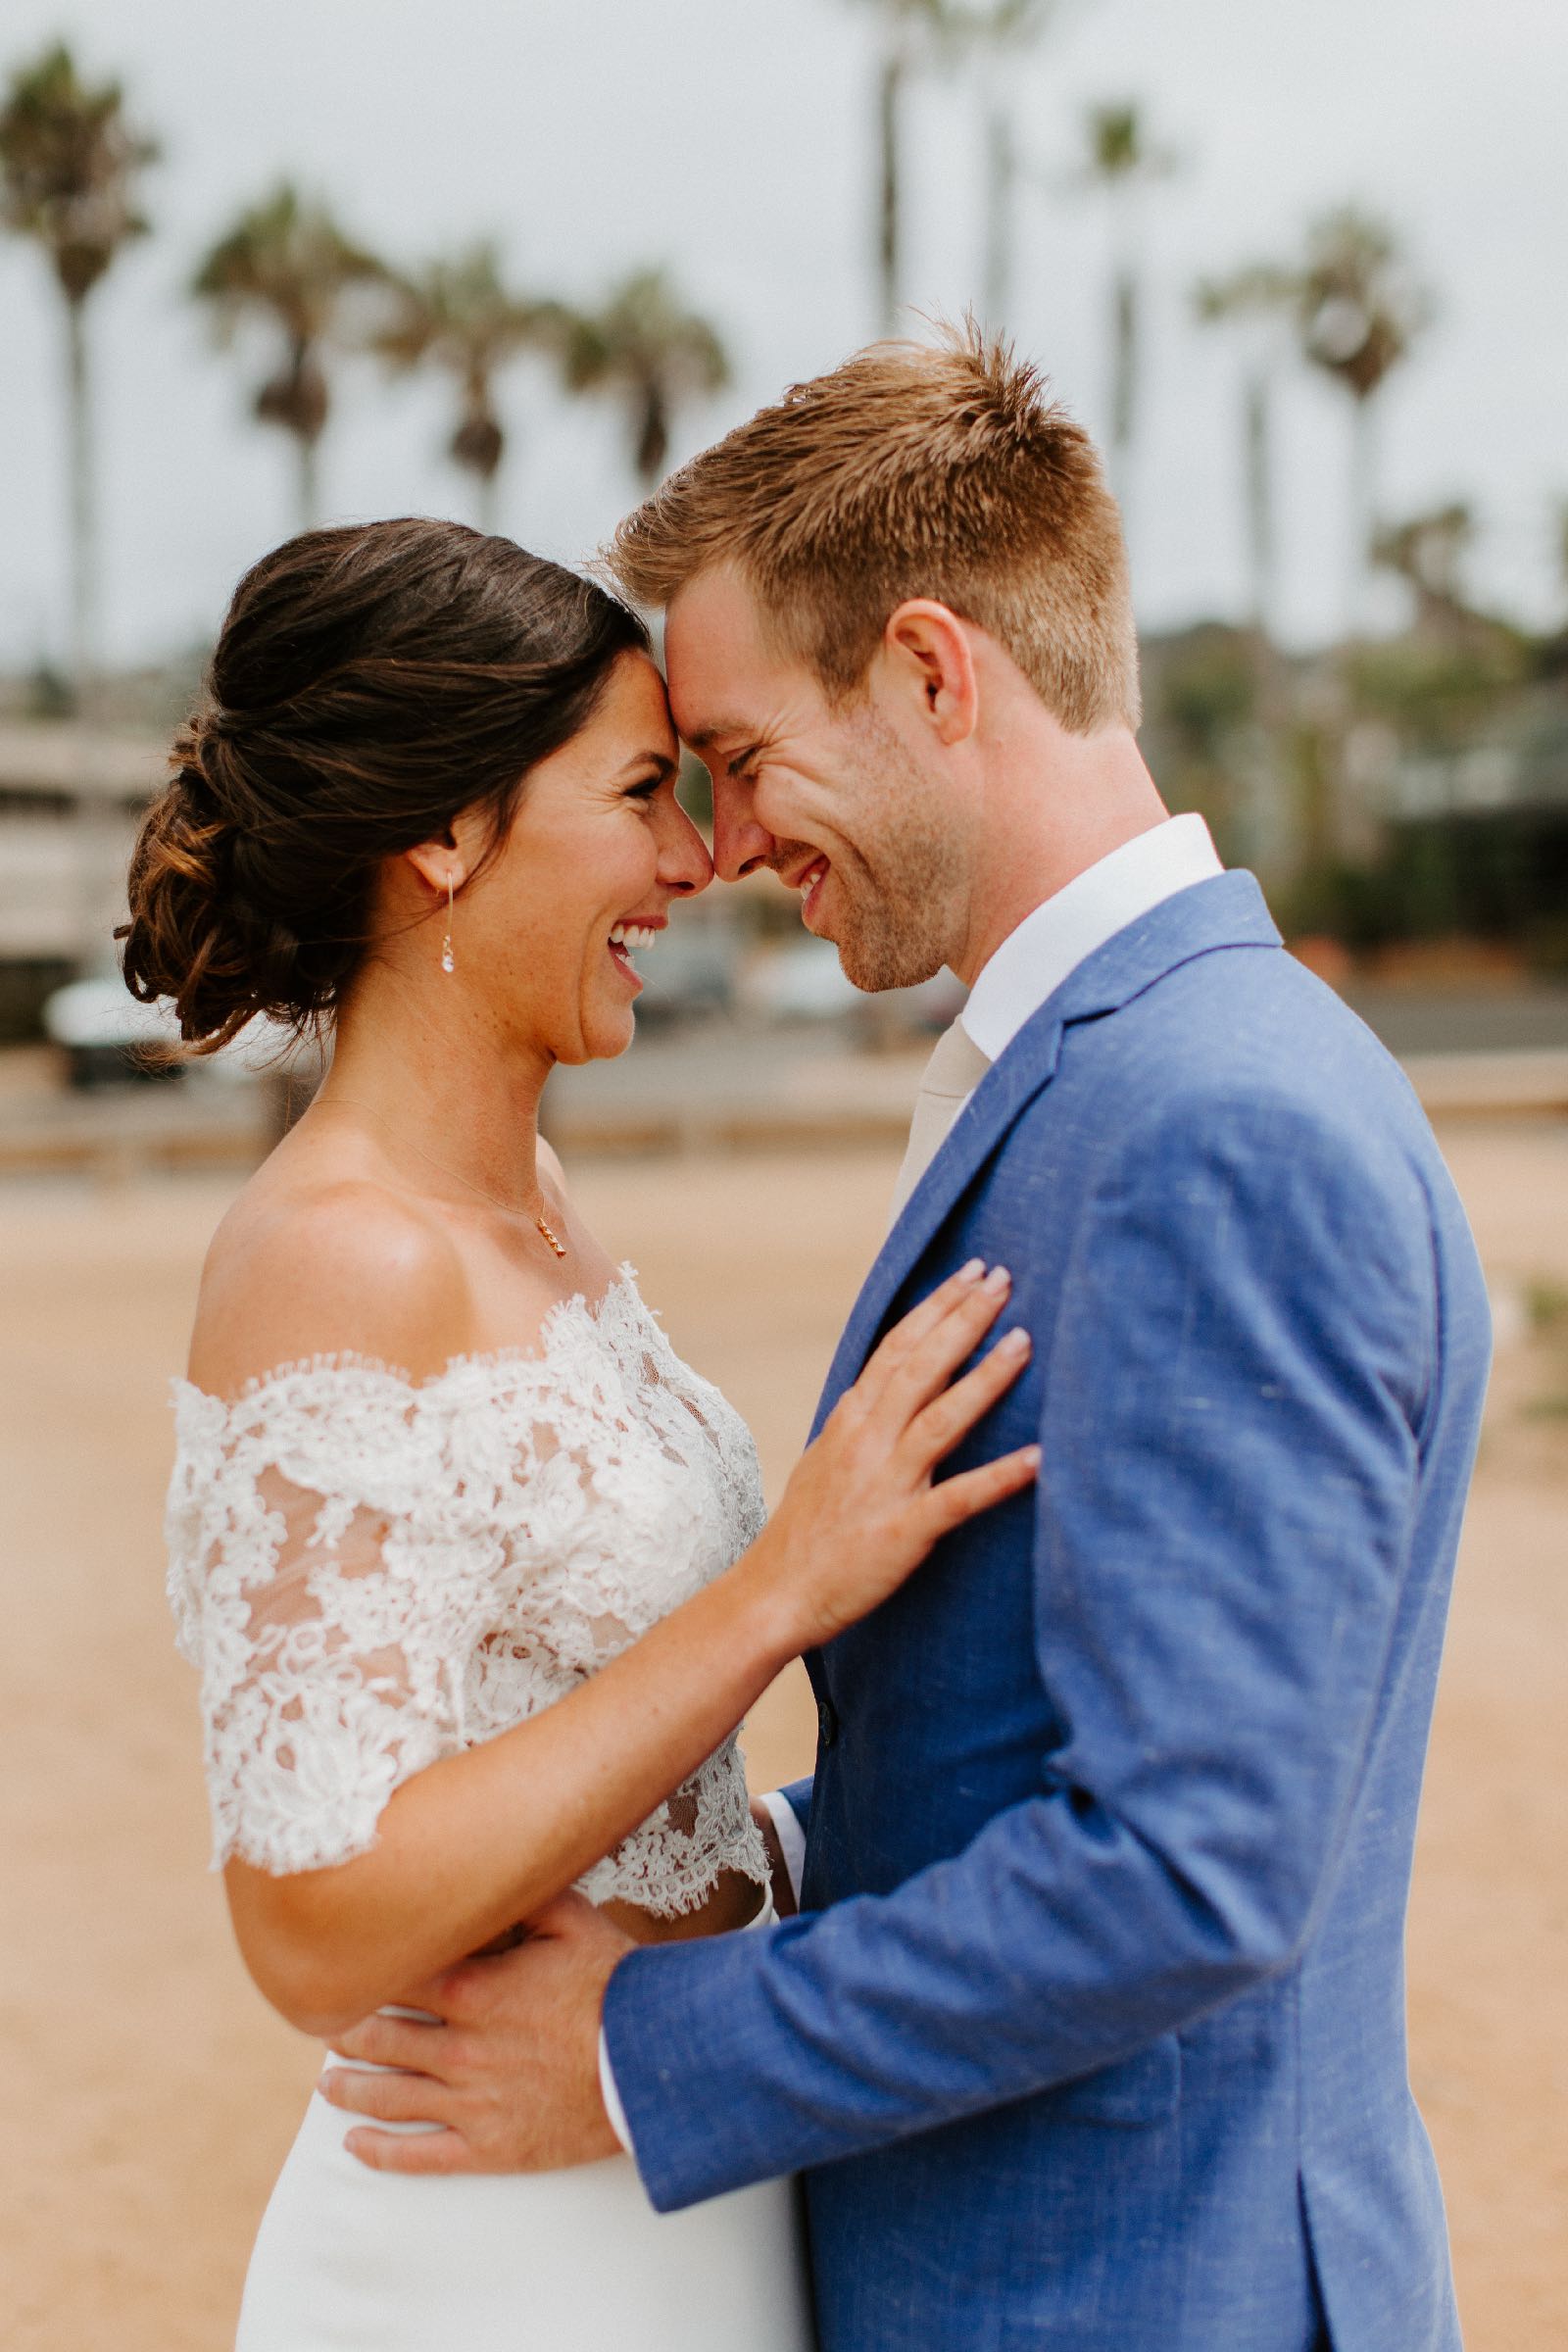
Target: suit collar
[
  {"x": 1228, "y": 911},
  {"x": 1076, "y": 921}
]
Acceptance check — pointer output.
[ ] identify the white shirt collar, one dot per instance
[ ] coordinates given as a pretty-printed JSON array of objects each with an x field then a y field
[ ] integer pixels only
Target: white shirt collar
[{"x": 1034, "y": 960}]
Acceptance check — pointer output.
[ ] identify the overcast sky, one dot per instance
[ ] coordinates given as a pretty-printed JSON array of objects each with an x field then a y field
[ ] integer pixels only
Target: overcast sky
[{"x": 730, "y": 139}]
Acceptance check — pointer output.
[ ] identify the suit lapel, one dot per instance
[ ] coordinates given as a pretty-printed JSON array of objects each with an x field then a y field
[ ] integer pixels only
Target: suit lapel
[
  {"x": 1228, "y": 911},
  {"x": 1028, "y": 1064}
]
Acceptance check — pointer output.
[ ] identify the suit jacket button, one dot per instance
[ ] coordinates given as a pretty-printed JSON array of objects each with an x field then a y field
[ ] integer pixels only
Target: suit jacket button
[{"x": 827, "y": 1722}]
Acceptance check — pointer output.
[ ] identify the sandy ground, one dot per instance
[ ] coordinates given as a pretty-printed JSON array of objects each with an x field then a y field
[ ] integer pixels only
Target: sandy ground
[{"x": 150, "y": 2096}]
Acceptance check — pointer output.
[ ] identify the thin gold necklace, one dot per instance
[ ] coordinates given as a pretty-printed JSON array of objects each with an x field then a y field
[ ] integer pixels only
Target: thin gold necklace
[{"x": 457, "y": 1176}]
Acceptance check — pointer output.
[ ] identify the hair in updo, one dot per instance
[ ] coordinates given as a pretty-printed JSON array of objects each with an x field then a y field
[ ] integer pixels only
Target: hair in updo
[{"x": 369, "y": 683}]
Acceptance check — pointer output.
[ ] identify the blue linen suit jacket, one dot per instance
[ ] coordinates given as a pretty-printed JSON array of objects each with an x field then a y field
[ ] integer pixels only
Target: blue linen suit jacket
[{"x": 1091, "y": 2034}]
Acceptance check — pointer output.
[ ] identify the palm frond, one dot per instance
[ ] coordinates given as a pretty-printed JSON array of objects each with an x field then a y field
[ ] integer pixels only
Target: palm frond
[
  {"x": 1360, "y": 307},
  {"x": 69, "y": 165},
  {"x": 652, "y": 352}
]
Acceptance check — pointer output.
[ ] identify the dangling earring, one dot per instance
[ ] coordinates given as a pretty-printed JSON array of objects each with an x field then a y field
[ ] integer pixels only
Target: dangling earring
[{"x": 448, "y": 962}]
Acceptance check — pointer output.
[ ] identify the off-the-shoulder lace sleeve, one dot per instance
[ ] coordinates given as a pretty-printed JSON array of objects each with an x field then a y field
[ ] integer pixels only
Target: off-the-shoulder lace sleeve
[
  {"x": 370, "y": 1573},
  {"x": 303, "y": 1524}
]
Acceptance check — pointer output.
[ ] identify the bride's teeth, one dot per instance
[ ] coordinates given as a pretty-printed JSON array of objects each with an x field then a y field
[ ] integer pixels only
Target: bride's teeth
[{"x": 617, "y": 937}]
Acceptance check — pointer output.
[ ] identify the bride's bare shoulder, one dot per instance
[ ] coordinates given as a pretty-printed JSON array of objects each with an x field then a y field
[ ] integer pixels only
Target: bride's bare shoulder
[{"x": 326, "y": 1264}]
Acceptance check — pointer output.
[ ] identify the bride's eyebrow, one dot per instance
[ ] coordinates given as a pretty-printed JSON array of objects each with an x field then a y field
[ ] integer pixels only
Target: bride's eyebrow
[{"x": 661, "y": 760}]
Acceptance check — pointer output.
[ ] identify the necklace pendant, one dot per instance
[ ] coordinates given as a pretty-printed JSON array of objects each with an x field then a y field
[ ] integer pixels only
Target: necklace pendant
[{"x": 555, "y": 1244}]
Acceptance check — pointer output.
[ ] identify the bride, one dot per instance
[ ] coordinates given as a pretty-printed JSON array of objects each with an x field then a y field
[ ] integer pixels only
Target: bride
[{"x": 474, "y": 1569}]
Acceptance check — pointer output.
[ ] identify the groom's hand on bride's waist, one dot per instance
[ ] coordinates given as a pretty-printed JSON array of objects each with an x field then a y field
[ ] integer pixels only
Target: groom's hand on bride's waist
[{"x": 509, "y": 2074}]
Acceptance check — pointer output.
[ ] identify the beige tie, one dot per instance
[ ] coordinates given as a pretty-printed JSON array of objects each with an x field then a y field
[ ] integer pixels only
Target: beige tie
[{"x": 952, "y": 1075}]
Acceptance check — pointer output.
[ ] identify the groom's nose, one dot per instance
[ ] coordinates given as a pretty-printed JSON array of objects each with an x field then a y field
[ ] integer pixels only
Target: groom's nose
[{"x": 740, "y": 844}]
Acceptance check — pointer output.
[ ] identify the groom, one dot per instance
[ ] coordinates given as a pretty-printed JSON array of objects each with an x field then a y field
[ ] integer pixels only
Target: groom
[{"x": 1089, "y": 2033}]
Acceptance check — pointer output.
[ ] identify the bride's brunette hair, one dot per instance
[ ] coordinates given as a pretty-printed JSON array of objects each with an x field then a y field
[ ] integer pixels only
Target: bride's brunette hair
[{"x": 370, "y": 684}]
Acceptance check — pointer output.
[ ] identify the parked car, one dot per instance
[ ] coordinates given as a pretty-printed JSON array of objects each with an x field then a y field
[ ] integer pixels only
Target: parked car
[
  {"x": 690, "y": 970},
  {"x": 804, "y": 981},
  {"x": 108, "y": 1038},
  {"x": 801, "y": 981}
]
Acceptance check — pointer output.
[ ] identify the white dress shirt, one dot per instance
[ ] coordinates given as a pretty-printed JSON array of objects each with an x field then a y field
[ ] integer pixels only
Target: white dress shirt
[
  {"x": 1033, "y": 961},
  {"x": 1030, "y": 966}
]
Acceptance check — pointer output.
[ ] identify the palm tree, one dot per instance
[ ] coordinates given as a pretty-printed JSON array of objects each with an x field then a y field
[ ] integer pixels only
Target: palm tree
[
  {"x": 287, "y": 264},
  {"x": 460, "y": 315},
  {"x": 1259, "y": 299},
  {"x": 1359, "y": 312},
  {"x": 69, "y": 164},
  {"x": 912, "y": 31},
  {"x": 651, "y": 355},
  {"x": 1428, "y": 552},
  {"x": 906, "y": 27},
  {"x": 1123, "y": 163}
]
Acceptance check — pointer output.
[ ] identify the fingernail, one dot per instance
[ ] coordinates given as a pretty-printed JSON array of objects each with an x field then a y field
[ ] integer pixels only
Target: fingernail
[
  {"x": 973, "y": 1270},
  {"x": 1031, "y": 1454},
  {"x": 1015, "y": 1342},
  {"x": 996, "y": 1281}
]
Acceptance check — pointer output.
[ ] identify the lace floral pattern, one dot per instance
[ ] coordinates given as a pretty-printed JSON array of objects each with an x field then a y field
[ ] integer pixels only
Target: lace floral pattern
[{"x": 370, "y": 1573}]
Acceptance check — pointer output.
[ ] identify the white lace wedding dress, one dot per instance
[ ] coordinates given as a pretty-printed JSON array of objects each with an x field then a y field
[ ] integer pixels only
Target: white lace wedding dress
[{"x": 372, "y": 1573}]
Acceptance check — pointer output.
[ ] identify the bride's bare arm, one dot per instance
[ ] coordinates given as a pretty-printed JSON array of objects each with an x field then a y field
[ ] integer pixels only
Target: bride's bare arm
[{"x": 479, "y": 1841}]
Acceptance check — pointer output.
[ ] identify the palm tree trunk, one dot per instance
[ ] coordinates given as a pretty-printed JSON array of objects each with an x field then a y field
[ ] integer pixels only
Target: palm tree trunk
[
  {"x": 653, "y": 436},
  {"x": 1260, "y": 537},
  {"x": 1269, "y": 843},
  {"x": 1123, "y": 380},
  {"x": 1363, "y": 511},
  {"x": 308, "y": 480},
  {"x": 83, "y": 516},
  {"x": 100, "y": 852},
  {"x": 889, "y": 90},
  {"x": 1001, "y": 184}
]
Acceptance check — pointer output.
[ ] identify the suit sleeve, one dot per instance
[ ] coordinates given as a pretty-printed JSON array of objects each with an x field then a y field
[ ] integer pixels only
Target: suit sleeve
[{"x": 1233, "y": 1393}]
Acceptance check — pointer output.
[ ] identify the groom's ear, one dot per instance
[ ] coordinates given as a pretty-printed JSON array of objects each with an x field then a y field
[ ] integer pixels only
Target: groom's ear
[{"x": 928, "y": 655}]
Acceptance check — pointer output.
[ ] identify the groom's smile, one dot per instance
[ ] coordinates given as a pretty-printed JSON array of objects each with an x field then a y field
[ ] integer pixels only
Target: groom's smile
[{"x": 807, "y": 880}]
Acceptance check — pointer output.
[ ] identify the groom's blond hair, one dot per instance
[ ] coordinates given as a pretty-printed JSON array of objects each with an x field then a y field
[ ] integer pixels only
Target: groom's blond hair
[{"x": 912, "y": 470}]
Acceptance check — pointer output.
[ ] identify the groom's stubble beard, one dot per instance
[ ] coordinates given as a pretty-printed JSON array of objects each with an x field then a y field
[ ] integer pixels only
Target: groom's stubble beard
[{"x": 899, "y": 886}]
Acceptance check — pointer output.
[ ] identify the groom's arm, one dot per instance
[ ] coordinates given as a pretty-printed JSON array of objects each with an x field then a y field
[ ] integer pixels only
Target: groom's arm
[
  {"x": 787, "y": 1812},
  {"x": 1230, "y": 1403}
]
